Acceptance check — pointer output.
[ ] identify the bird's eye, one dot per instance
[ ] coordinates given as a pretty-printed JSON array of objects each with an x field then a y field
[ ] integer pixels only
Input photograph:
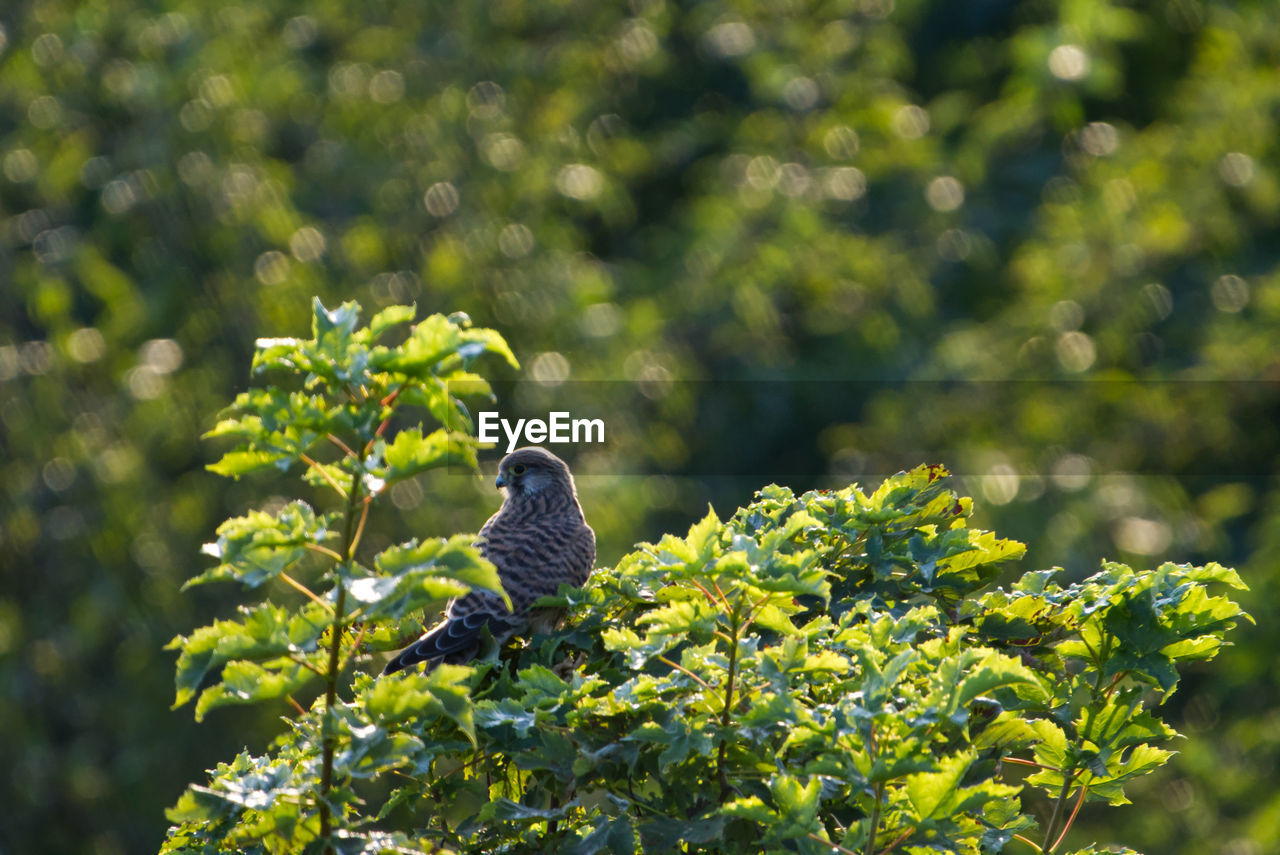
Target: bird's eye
[{"x": 518, "y": 469}]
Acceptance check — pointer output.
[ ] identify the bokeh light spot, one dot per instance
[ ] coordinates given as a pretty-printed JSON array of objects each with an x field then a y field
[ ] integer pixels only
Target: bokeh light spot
[
  {"x": 45, "y": 112},
  {"x": 1075, "y": 351},
  {"x": 58, "y": 474},
  {"x": 1099, "y": 139},
  {"x": 601, "y": 320},
  {"x": 502, "y": 151},
  {"x": 1071, "y": 472},
  {"x": 20, "y": 165},
  {"x": 579, "y": 181},
  {"x": 86, "y": 345},
  {"x": 300, "y": 32},
  {"x": 1066, "y": 315},
  {"x": 1159, "y": 299},
  {"x": 944, "y": 193},
  {"x": 46, "y": 49},
  {"x": 1068, "y": 62},
  {"x": 844, "y": 183},
  {"x": 144, "y": 383},
  {"x": 549, "y": 369},
  {"x": 1236, "y": 168},
  {"x": 387, "y": 87},
  {"x": 841, "y": 142},
  {"x": 793, "y": 180},
  {"x": 35, "y": 358},
  {"x": 161, "y": 355},
  {"x": 731, "y": 38},
  {"x": 515, "y": 240},
  {"x": 1229, "y": 293},
  {"x": 910, "y": 122},
  {"x": 307, "y": 244},
  {"x": 801, "y": 94},
  {"x": 441, "y": 199},
  {"x": 271, "y": 267},
  {"x": 1000, "y": 484},
  {"x": 1143, "y": 536}
]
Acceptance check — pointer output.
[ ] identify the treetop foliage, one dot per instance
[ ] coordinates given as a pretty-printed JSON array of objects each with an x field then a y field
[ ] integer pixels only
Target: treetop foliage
[{"x": 822, "y": 672}]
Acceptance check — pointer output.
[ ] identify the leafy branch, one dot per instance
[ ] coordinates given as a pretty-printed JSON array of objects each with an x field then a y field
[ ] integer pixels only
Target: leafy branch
[{"x": 832, "y": 671}]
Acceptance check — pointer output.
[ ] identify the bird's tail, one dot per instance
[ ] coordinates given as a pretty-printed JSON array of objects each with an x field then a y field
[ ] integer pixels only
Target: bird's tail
[{"x": 455, "y": 640}]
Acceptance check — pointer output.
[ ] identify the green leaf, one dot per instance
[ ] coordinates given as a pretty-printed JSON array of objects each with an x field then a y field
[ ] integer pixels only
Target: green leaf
[
  {"x": 666, "y": 834},
  {"x": 928, "y": 792},
  {"x": 267, "y": 632},
  {"x": 389, "y": 317},
  {"x": 614, "y": 835},
  {"x": 339, "y": 323},
  {"x": 443, "y": 692},
  {"x": 259, "y": 546},
  {"x": 244, "y": 682},
  {"x": 412, "y": 453},
  {"x": 455, "y": 559},
  {"x": 984, "y": 671},
  {"x": 243, "y": 460},
  {"x": 393, "y": 597}
]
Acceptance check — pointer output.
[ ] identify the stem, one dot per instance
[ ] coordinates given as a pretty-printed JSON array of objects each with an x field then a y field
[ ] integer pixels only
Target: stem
[
  {"x": 1071, "y": 819},
  {"x": 311, "y": 595},
  {"x": 364, "y": 515},
  {"x": 705, "y": 592},
  {"x": 721, "y": 771},
  {"x": 835, "y": 846},
  {"x": 875, "y": 820},
  {"x": 298, "y": 660},
  {"x": 1028, "y": 842},
  {"x": 1057, "y": 811},
  {"x": 665, "y": 660},
  {"x": 323, "y": 550},
  {"x": 346, "y": 449},
  {"x": 1018, "y": 761},
  {"x": 553, "y": 825},
  {"x": 355, "y": 647},
  {"x": 874, "y": 826},
  {"x": 323, "y": 474},
  {"x": 901, "y": 838},
  {"x": 331, "y": 679}
]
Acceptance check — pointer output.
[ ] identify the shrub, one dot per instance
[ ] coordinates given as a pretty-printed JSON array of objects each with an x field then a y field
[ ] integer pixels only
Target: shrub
[{"x": 829, "y": 672}]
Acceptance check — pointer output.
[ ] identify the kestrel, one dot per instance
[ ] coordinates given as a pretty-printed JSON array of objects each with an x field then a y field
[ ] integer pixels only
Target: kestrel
[{"x": 537, "y": 540}]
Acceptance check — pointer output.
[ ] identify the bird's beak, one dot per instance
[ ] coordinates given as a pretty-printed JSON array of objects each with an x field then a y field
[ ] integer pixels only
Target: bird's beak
[{"x": 501, "y": 481}]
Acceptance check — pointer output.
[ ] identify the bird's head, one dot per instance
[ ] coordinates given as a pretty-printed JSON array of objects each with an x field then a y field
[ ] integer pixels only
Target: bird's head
[{"x": 532, "y": 471}]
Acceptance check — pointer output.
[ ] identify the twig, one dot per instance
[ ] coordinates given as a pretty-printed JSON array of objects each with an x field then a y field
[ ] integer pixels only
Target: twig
[
  {"x": 701, "y": 682},
  {"x": 1018, "y": 761},
  {"x": 311, "y": 595},
  {"x": 1057, "y": 811},
  {"x": 324, "y": 474},
  {"x": 323, "y": 550},
  {"x": 305, "y": 664},
  {"x": 1028, "y": 842},
  {"x": 364, "y": 515},
  {"x": 901, "y": 838},
  {"x": 1072, "y": 818},
  {"x": 346, "y": 449},
  {"x": 836, "y": 846}
]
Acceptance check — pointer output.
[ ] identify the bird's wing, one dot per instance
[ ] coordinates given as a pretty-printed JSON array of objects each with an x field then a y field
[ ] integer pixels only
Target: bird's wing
[{"x": 457, "y": 638}]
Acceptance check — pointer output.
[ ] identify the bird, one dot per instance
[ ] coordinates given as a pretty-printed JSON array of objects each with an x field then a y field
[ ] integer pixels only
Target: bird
[{"x": 538, "y": 540}]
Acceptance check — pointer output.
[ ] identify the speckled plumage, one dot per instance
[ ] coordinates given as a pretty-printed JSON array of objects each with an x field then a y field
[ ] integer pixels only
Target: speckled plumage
[{"x": 538, "y": 539}]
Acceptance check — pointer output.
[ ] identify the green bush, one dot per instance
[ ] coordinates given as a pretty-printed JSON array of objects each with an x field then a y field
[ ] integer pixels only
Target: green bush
[{"x": 830, "y": 672}]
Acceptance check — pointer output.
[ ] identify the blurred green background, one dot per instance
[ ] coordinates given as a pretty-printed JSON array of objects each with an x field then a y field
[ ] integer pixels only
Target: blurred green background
[{"x": 1062, "y": 215}]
